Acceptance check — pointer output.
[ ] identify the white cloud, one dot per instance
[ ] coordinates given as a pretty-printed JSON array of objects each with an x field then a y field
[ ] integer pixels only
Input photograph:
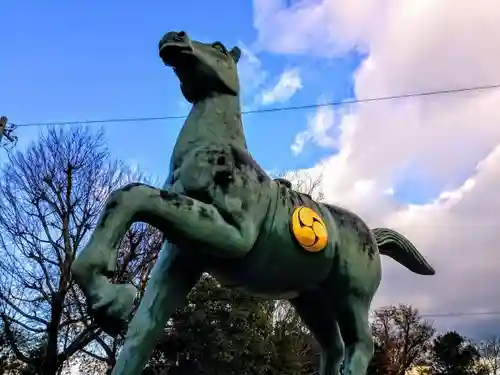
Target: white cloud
[
  {"x": 251, "y": 73},
  {"x": 288, "y": 84},
  {"x": 299, "y": 142},
  {"x": 321, "y": 126},
  {"x": 328, "y": 27},
  {"x": 448, "y": 141},
  {"x": 318, "y": 130}
]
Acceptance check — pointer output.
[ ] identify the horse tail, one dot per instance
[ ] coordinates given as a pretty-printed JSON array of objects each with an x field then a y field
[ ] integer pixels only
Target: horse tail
[{"x": 399, "y": 248}]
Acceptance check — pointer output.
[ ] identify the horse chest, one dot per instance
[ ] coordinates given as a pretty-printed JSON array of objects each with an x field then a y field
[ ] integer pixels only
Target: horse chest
[
  {"x": 202, "y": 167},
  {"x": 224, "y": 176}
]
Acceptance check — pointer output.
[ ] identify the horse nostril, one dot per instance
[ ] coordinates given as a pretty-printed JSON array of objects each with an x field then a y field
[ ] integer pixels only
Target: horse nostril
[{"x": 179, "y": 37}]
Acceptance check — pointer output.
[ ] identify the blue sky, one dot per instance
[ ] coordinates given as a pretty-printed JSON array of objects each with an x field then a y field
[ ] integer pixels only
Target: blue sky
[
  {"x": 94, "y": 60},
  {"x": 67, "y": 61}
]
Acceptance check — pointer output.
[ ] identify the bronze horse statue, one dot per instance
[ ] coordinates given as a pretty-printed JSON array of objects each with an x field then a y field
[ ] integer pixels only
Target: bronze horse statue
[{"x": 221, "y": 213}]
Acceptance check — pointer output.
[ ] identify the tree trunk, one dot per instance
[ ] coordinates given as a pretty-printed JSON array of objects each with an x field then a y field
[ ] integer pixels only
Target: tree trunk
[{"x": 50, "y": 362}]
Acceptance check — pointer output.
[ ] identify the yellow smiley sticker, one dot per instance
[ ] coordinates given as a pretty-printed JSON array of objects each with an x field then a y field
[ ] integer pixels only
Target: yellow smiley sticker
[{"x": 309, "y": 229}]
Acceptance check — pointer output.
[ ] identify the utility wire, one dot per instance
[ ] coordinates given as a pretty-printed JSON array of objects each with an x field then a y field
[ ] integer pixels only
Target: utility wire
[
  {"x": 460, "y": 314},
  {"x": 455, "y": 314},
  {"x": 276, "y": 109}
]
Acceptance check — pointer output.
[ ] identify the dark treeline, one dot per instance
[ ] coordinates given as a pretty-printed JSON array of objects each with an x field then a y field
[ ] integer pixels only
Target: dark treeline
[{"x": 50, "y": 197}]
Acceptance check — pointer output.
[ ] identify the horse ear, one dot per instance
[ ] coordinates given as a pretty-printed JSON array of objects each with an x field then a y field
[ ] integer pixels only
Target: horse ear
[{"x": 236, "y": 53}]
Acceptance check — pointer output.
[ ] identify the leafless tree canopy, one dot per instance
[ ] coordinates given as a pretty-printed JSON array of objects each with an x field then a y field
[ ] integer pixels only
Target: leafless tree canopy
[
  {"x": 403, "y": 335},
  {"x": 51, "y": 197},
  {"x": 490, "y": 352},
  {"x": 304, "y": 181}
]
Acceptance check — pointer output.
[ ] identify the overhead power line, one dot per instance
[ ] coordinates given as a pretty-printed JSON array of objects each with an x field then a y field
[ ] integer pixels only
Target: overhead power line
[
  {"x": 460, "y": 314},
  {"x": 276, "y": 109},
  {"x": 456, "y": 314}
]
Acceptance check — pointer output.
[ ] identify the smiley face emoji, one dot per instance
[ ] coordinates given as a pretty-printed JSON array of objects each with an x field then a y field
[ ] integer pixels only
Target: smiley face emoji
[{"x": 309, "y": 229}]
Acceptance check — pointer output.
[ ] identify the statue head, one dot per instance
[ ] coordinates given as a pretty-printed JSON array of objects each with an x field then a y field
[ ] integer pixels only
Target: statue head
[{"x": 203, "y": 69}]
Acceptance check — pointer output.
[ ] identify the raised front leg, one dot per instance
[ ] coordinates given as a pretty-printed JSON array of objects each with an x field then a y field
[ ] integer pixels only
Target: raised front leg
[
  {"x": 183, "y": 220},
  {"x": 173, "y": 276}
]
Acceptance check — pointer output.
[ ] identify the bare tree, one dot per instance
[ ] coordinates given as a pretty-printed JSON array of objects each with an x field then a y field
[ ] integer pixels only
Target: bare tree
[
  {"x": 304, "y": 181},
  {"x": 490, "y": 354},
  {"x": 402, "y": 333},
  {"x": 138, "y": 252},
  {"x": 51, "y": 197},
  {"x": 8, "y": 362}
]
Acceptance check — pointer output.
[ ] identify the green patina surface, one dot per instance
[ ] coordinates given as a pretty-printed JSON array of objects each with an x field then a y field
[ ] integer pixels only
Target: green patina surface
[{"x": 221, "y": 213}]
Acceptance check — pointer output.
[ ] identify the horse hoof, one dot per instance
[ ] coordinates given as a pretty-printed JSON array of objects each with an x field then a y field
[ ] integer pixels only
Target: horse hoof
[{"x": 113, "y": 306}]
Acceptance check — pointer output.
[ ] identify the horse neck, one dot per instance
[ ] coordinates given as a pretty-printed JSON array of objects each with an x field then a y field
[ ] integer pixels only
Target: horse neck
[{"x": 215, "y": 119}]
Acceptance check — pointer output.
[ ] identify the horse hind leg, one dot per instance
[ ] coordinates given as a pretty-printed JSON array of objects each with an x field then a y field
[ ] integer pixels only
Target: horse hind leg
[
  {"x": 352, "y": 316},
  {"x": 318, "y": 315}
]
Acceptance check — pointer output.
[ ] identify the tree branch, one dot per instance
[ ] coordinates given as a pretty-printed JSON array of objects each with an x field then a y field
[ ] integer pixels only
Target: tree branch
[
  {"x": 21, "y": 312},
  {"x": 12, "y": 341},
  {"x": 81, "y": 341}
]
